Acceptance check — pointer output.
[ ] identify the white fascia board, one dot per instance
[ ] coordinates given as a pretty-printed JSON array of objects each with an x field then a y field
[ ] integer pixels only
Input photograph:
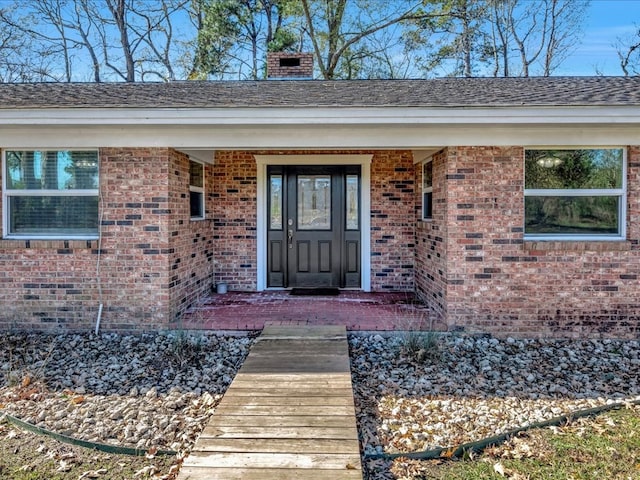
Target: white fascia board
[
  {"x": 278, "y": 137},
  {"x": 324, "y": 116}
]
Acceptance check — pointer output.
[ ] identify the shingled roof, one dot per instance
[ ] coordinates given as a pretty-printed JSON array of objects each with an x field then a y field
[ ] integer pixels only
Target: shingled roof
[{"x": 447, "y": 92}]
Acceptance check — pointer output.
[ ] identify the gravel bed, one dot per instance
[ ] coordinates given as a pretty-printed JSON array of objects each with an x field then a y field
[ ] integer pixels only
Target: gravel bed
[
  {"x": 159, "y": 390},
  {"x": 476, "y": 387},
  {"x": 142, "y": 391}
]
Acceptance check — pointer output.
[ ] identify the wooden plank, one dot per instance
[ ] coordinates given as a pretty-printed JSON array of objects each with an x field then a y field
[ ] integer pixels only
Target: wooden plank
[
  {"x": 204, "y": 473},
  {"x": 319, "y": 400},
  {"x": 291, "y": 384},
  {"x": 279, "y": 445},
  {"x": 274, "y": 460},
  {"x": 288, "y": 378},
  {"x": 281, "y": 421},
  {"x": 301, "y": 331},
  {"x": 345, "y": 433},
  {"x": 288, "y": 414},
  {"x": 302, "y": 391},
  {"x": 293, "y": 410}
]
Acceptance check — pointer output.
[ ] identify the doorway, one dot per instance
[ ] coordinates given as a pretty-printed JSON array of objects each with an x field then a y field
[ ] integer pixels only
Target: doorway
[{"x": 314, "y": 226}]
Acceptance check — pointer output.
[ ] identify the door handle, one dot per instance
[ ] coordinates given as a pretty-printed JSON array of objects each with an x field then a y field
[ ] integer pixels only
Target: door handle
[{"x": 290, "y": 237}]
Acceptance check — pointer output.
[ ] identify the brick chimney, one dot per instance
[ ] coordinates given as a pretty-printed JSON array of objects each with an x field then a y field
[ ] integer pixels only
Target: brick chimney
[{"x": 282, "y": 65}]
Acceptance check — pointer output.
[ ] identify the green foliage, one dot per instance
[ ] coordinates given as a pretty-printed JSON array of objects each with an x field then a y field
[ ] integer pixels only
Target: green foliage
[{"x": 421, "y": 347}]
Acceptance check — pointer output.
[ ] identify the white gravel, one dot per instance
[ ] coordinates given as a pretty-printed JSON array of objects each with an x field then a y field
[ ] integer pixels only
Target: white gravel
[
  {"x": 478, "y": 387},
  {"x": 137, "y": 391},
  {"x": 159, "y": 390}
]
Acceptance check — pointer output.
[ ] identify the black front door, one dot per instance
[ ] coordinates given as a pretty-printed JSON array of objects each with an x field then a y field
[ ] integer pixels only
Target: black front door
[{"x": 314, "y": 226}]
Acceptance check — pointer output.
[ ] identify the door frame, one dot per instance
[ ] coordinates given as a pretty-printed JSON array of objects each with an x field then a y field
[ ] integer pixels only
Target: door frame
[{"x": 364, "y": 160}]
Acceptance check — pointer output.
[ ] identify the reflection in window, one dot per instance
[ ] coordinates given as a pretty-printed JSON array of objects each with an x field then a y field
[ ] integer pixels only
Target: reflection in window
[
  {"x": 275, "y": 202},
  {"x": 196, "y": 190},
  {"x": 427, "y": 190},
  {"x": 51, "y": 194},
  {"x": 574, "y": 193},
  {"x": 353, "y": 220},
  {"x": 314, "y": 202}
]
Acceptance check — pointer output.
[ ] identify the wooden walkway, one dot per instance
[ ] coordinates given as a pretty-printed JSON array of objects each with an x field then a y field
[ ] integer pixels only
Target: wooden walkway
[{"x": 288, "y": 414}]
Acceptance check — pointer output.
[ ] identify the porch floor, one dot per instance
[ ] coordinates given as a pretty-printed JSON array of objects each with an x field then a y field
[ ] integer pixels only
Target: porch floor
[{"x": 356, "y": 310}]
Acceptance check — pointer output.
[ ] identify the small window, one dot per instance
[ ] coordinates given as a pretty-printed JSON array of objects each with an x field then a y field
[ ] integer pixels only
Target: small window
[
  {"x": 196, "y": 190},
  {"x": 50, "y": 194},
  {"x": 577, "y": 194},
  {"x": 427, "y": 190}
]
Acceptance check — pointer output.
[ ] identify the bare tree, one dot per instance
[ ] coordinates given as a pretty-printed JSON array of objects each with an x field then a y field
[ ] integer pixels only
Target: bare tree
[
  {"x": 535, "y": 33},
  {"x": 334, "y": 34},
  {"x": 629, "y": 53}
]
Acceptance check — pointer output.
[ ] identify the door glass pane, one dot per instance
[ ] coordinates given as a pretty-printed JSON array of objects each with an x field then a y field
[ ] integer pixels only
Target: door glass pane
[
  {"x": 275, "y": 202},
  {"x": 314, "y": 202},
  {"x": 353, "y": 220}
]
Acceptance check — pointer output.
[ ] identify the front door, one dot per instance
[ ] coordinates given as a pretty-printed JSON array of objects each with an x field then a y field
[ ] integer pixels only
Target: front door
[{"x": 314, "y": 226}]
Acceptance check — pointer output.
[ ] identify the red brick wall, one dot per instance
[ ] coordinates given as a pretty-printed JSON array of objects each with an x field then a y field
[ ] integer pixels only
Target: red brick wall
[
  {"x": 154, "y": 260},
  {"x": 430, "y": 254},
  {"x": 234, "y": 215},
  {"x": 393, "y": 224},
  {"x": 191, "y": 241},
  {"x": 500, "y": 284},
  {"x": 48, "y": 284}
]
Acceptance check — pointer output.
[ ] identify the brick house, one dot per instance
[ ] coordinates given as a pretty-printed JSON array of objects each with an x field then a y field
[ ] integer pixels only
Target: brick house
[{"x": 507, "y": 205}]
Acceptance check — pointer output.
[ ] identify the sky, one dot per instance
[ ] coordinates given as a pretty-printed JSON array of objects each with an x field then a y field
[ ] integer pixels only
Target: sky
[{"x": 607, "y": 20}]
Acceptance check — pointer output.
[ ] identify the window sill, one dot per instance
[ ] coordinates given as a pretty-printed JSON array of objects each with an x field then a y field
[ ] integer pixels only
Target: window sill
[
  {"x": 577, "y": 245},
  {"x": 15, "y": 244},
  {"x": 198, "y": 219}
]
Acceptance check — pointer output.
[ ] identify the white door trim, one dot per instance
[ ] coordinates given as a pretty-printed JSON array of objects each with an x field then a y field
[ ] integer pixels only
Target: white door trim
[{"x": 364, "y": 161}]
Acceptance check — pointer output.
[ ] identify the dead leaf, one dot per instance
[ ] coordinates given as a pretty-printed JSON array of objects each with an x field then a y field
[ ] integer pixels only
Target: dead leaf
[
  {"x": 26, "y": 381},
  {"x": 93, "y": 473},
  {"x": 151, "y": 453},
  {"x": 77, "y": 400},
  {"x": 146, "y": 471},
  {"x": 499, "y": 469},
  {"x": 350, "y": 466}
]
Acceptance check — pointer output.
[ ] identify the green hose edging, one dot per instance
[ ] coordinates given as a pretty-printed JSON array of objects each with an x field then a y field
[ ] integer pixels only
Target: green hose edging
[
  {"x": 80, "y": 443},
  {"x": 478, "y": 446}
]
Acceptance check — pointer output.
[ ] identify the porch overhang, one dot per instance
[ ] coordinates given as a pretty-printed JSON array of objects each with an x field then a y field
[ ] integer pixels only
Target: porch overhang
[{"x": 318, "y": 128}]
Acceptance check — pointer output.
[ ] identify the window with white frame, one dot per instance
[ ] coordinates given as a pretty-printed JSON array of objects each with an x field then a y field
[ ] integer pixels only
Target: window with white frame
[
  {"x": 575, "y": 194},
  {"x": 50, "y": 194},
  {"x": 427, "y": 190},
  {"x": 196, "y": 189}
]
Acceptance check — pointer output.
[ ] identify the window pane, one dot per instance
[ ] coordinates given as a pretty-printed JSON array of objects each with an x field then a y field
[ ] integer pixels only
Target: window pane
[
  {"x": 314, "y": 202},
  {"x": 54, "y": 170},
  {"x": 275, "y": 202},
  {"x": 196, "y": 175},
  {"x": 353, "y": 214},
  {"x": 427, "y": 175},
  {"x": 427, "y": 205},
  {"x": 53, "y": 215},
  {"x": 572, "y": 215},
  {"x": 573, "y": 169},
  {"x": 197, "y": 204}
]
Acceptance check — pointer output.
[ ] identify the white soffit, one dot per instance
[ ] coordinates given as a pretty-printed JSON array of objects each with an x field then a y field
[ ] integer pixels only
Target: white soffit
[
  {"x": 201, "y": 154},
  {"x": 593, "y": 115}
]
